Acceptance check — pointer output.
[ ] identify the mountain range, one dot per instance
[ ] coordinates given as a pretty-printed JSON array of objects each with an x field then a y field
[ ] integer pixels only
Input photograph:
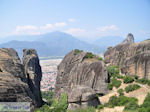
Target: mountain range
[{"x": 57, "y": 43}]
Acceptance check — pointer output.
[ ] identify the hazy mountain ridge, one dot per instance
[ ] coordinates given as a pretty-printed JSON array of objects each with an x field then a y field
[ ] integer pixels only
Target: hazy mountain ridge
[{"x": 53, "y": 44}]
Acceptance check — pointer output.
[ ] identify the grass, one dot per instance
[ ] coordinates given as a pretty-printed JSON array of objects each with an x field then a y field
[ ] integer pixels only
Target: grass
[{"x": 132, "y": 87}]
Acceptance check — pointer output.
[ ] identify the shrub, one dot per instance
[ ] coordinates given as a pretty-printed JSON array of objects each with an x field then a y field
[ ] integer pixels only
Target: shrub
[
  {"x": 142, "y": 81},
  {"x": 89, "y": 55},
  {"x": 48, "y": 96},
  {"x": 112, "y": 70},
  {"x": 100, "y": 58},
  {"x": 136, "y": 77},
  {"x": 89, "y": 109},
  {"x": 138, "y": 52},
  {"x": 116, "y": 83},
  {"x": 120, "y": 101},
  {"x": 100, "y": 107},
  {"x": 128, "y": 79},
  {"x": 77, "y": 51},
  {"x": 110, "y": 86},
  {"x": 146, "y": 102},
  {"x": 131, "y": 106},
  {"x": 44, "y": 108},
  {"x": 120, "y": 91},
  {"x": 132, "y": 88}
]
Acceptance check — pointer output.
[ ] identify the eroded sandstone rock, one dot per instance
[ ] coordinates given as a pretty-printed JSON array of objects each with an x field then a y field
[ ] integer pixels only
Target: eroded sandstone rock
[
  {"x": 82, "y": 97},
  {"x": 132, "y": 58},
  {"x": 75, "y": 69},
  {"x": 13, "y": 84},
  {"x": 33, "y": 73}
]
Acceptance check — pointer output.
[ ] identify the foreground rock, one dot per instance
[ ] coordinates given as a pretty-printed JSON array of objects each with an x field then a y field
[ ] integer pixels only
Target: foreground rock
[
  {"x": 82, "y": 97},
  {"x": 76, "y": 69},
  {"x": 13, "y": 82},
  {"x": 33, "y": 73},
  {"x": 13, "y": 86},
  {"x": 132, "y": 58}
]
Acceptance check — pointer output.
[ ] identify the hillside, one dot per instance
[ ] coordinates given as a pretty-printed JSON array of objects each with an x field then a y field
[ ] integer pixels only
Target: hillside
[{"x": 52, "y": 44}]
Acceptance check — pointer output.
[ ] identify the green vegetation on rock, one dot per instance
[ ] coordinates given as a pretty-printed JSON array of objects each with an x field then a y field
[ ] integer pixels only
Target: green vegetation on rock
[
  {"x": 116, "y": 83},
  {"x": 77, "y": 51},
  {"x": 128, "y": 79},
  {"x": 121, "y": 92},
  {"x": 132, "y": 87},
  {"x": 119, "y": 101},
  {"x": 89, "y": 55},
  {"x": 89, "y": 109},
  {"x": 100, "y": 58},
  {"x": 113, "y": 70},
  {"x": 143, "y": 81}
]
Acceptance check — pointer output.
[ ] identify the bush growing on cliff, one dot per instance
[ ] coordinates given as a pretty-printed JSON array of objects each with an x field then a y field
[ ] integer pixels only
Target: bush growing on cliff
[
  {"x": 110, "y": 86},
  {"x": 121, "y": 92},
  {"x": 132, "y": 88},
  {"x": 48, "y": 96},
  {"x": 128, "y": 79},
  {"x": 120, "y": 101},
  {"x": 57, "y": 105},
  {"x": 100, "y": 58},
  {"x": 77, "y": 51},
  {"x": 143, "y": 81},
  {"x": 89, "y": 55},
  {"x": 116, "y": 82},
  {"x": 113, "y": 70},
  {"x": 89, "y": 109}
]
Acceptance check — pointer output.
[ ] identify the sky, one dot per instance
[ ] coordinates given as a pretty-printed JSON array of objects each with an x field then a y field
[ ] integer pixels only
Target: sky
[{"x": 87, "y": 19}]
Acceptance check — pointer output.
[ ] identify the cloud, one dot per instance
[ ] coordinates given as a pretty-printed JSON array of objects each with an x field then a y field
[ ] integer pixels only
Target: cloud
[
  {"x": 27, "y": 29},
  {"x": 47, "y": 26},
  {"x": 76, "y": 31},
  {"x": 34, "y": 30},
  {"x": 61, "y": 24},
  {"x": 106, "y": 28},
  {"x": 71, "y": 20}
]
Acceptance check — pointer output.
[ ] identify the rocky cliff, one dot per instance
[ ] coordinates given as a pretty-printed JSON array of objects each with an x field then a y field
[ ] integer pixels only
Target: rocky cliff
[
  {"x": 33, "y": 73},
  {"x": 132, "y": 58},
  {"x": 13, "y": 82},
  {"x": 76, "y": 69}
]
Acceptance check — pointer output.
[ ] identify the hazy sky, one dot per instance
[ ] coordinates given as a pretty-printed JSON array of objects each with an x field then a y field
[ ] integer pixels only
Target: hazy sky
[{"x": 81, "y": 18}]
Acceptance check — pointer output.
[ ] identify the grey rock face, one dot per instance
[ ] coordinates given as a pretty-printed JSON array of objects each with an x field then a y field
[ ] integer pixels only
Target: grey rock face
[
  {"x": 129, "y": 39},
  {"x": 82, "y": 97},
  {"x": 75, "y": 69},
  {"x": 33, "y": 73},
  {"x": 13, "y": 86},
  {"x": 132, "y": 58},
  {"x": 10, "y": 62}
]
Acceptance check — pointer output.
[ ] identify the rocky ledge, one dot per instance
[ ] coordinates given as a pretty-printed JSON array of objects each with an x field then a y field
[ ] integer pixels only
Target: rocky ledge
[
  {"x": 132, "y": 58},
  {"x": 81, "y": 72}
]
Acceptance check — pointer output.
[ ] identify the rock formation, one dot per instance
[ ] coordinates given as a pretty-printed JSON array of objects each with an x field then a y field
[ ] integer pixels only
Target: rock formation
[
  {"x": 77, "y": 70},
  {"x": 13, "y": 86},
  {"x": 132, "y": 58},
  {"x": 33, "y": 73},
  {"x": 129, "y": 39},
  {"x": 13, "y": 82},
  {"x": 82, "y": 97}
]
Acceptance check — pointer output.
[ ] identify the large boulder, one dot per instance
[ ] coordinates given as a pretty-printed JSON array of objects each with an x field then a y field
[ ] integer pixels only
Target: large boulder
[
  {"x": 77, "y": 69},
  {"x": 82, "y": 97},
  {"x": 13, "y": 86},
  {"x": 132, "y": 58},
  {"x": 33, "y": 73}
]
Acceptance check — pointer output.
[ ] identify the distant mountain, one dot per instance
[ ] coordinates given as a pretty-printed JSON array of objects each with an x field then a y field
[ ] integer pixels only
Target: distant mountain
[
  {"x": 108, "y": 41},
  {"x": 53, "y": 44}
]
